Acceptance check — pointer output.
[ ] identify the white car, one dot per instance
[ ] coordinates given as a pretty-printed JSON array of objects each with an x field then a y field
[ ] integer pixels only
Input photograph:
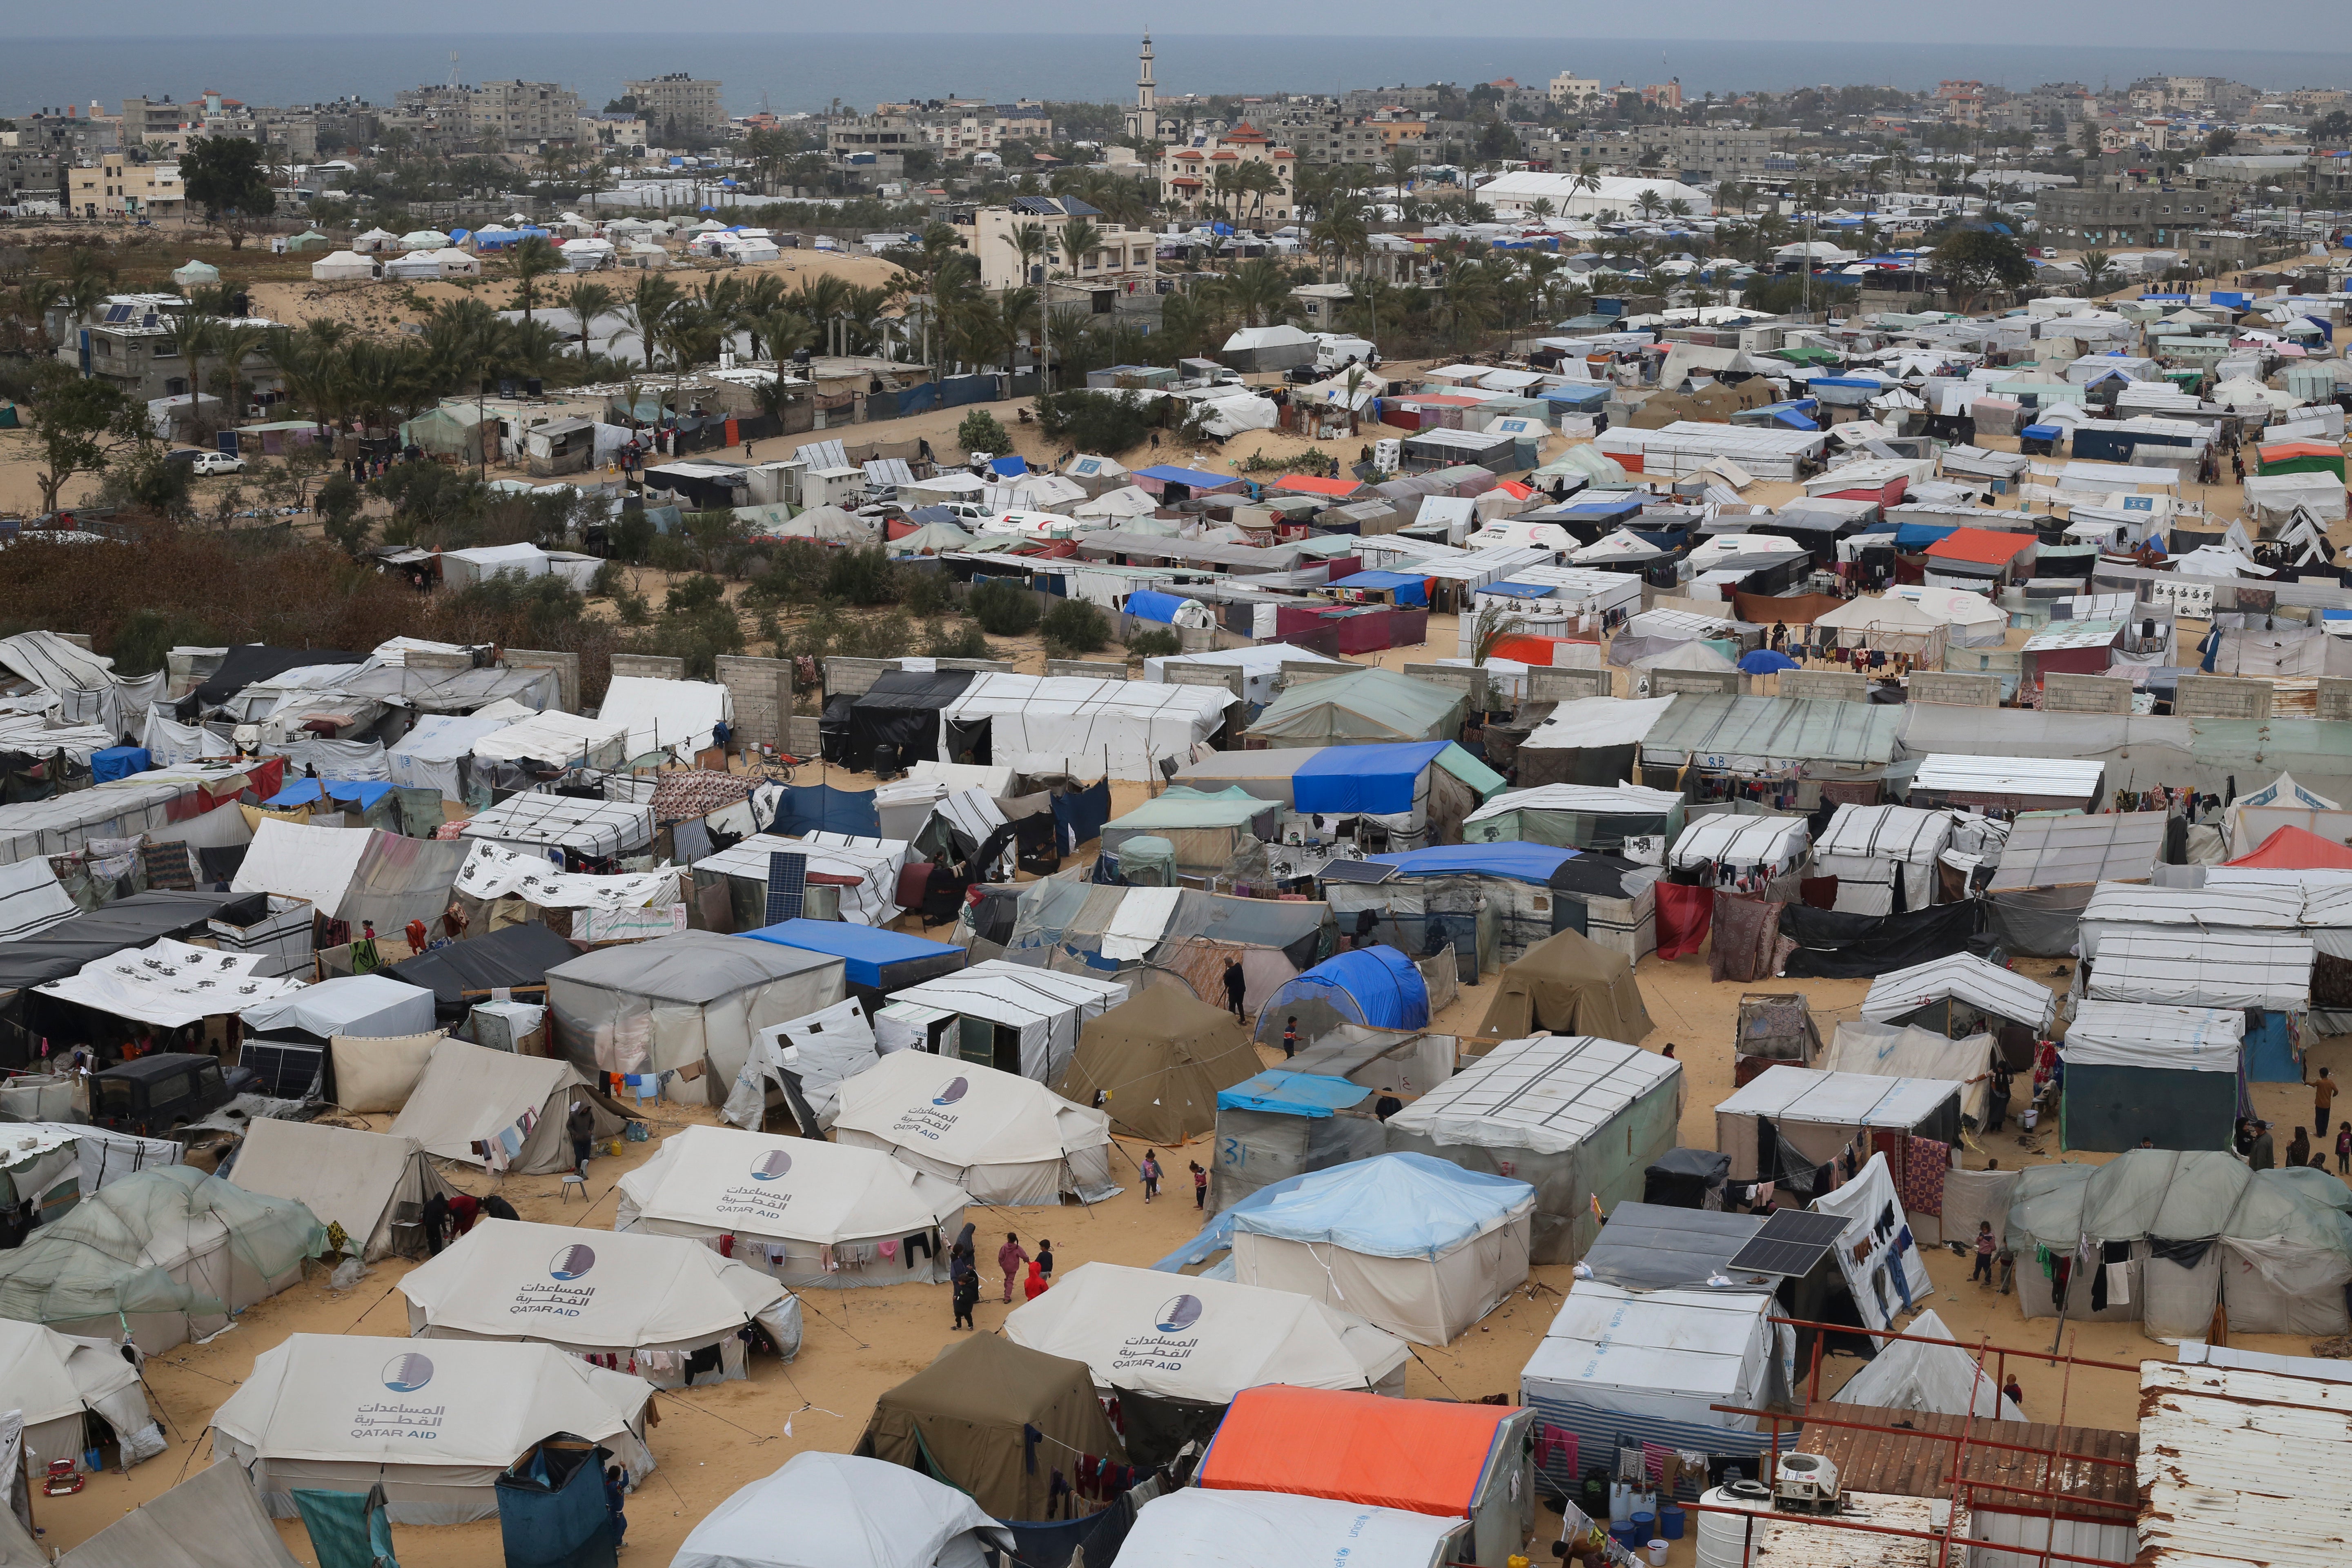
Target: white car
[{"x": 206, "y": 464}]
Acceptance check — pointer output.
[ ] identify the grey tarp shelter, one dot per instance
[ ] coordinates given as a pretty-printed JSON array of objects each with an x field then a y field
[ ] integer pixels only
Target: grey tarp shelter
[
  {"x": 2052, "y": 862},
  {"x": 2174, "y": 1074},
  {"x": 1280, "y": 1125}
]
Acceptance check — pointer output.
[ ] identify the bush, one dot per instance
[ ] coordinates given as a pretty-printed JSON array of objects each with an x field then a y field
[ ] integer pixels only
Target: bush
[
  {"x": 691, "y": 595},
  {"x": 1075, "y": 627},
  {"x": 1003, "y": 608},
  {"x": 1095, "y": 421},
  {"x": 926, "y": 591},
  {"x": 631, "y": 538},
  {"x": 340, "y": 500},
  {"x": 980, "y": 432},
  {"x": 963, "y": 642},
  {"x": 861, "y": 576},
  {"x": 1157, "y": 643}
]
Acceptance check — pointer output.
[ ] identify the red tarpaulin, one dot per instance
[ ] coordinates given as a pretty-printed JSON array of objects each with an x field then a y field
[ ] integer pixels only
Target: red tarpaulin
[
  {"x": 2297, "y": 849},
  {"x": 1684, "y": 917}
]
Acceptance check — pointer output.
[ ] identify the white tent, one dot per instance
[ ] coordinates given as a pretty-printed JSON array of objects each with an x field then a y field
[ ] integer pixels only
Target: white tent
[
  {"x": 1026, "y": 1017},
  {"x": 1899, "y": 1051},
  {"x": 456, "y": 263},
  {"x": 1768, "y": 846},
  {"x": 875, "y": 862},
  {"x": 57, "y": 1381},
  {"x": 686, "y": 1002},
  {"x": 356, "y": 1179},
  {"x": 1987, "y": 988},
  {"x": 1869, "y": 847},
  {"x": 342, "y": 267},
  {"x": 1193, "y": 1527},
  {"x": 556, "y": 738},
  {"x": 651, "y": 1299},
  {"x": 212, "y": 1520},
  {"x": 429, "y": 756},
  {"x": 807, "y": 1212},
  {"x": 357, "y": 1005},
  {"x": 836, "y": 1510},
  {"x": 1882, "y": 1279},
  {"x": 1260, "y": 664},
  {"x": 542, "y": 821},
  {"x": 169, "y": 984},
  {"x": 1226, "y": 1337},
  {"x": 802, "y": 1061},
  {"x": 1943, "y": 1380},
  {"x": 344, "y": 1413},
  {"x": 499, "y": 1110},
  {"x": 673, "y": 716},
  {"x": 1082, "y": 727},
  {"x": 351, "y": 874},
  {"x": 1002, "y": 1138}
]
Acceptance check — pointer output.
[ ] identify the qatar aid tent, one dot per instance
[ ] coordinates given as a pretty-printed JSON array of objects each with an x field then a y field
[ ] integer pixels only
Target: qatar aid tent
[
  {"x": 1360, "y": 708},
  {"x": 688, "y": 1002},
  {"x": 1001, "y": 1137},
  {"x": 344, "y": 1413},
  {"x": 1159, "y": 1061},
  {"x": 499, "y": 1110},
  {"x": 1452, "y": 1460},
  {"x": 373, "y": 1185},
  {"x": 212, "y": 1520},
  {"x": 165, "y": 1256},
  {"x": 1619, "y": 1365},
  {"x": 57, "y": 1381},
  {"x": 837, "y": 1510},
  {"x": 654, "y": 1300},
  {"x": 1568, "y": 984},
  {"x": 1191, "y": 1528},
  {"x": 1011, "y": 1017},
  {"x": 1577, "y": 816},
  {"x": 1883, "y": 857},
  {"x": 1581, "y": 1119},
  {"x": 1413, "y": 1244},
  {"x": 966, "y": 1419},
  {"x": 2135, "y": 1070},
  {"x": 807, "y": 1212},
  {"x": 1082, "y": 727}
]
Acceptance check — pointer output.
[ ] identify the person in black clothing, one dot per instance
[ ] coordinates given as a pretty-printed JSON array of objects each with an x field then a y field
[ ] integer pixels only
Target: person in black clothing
[
  {"x": 1997, "y": 1102},
  {"x": 1388, "y": 1104},
  {"x": 435, "y": 1220},
  {"x": 580, "y": 1121},
  {"x": 1290, "y": 1038},
  {"x": 496, "y": 1207},
  {"x": 1044, "y": 1259},
  {"x": 1365, "y": 920},
  {"x": 1235, "y": 985}
]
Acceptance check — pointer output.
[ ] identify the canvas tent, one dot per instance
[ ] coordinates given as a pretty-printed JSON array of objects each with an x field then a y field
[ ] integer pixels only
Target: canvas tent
[
  {"x": 1959, "y": 996},
  {"x": 743, "y": 870},
  {"x": 1190, "y": 1528},
  {"x": 1218, "y": 835},
  {"x": 1002, "y": 1138},
  {"x": 499, "y": 1110},
  {"x": 1787, "y": 1121},
  {"x": 1277, "y": 1126},
  {"x": 1940, "y": 1379},
  {"x": 1579, "y": 1118},
  {"x": 1084, "y": 728},
  {"x": 612, "y": 1294},
  {"x": 339, "y": 1413},
  {"x": 808, "y": 1212},
  {"x": 1416, "y": 1246},
  {"x": 688, "y": 1002},
  {"x": 1568, "y": 984},
  {"x": 1902, "y": 1050},
  {"x": 1366, "y": 706},
  {"x": 300, "y": 1025},
  {"x": 351, "y": 875},
  {"x": 1577, "y": 816},
  {"x": 2133, "y": 1070},
  {"x": 58, "y": 1382},
  {"x": 964, "y": 1419},
  {"x": 837, "y": 1510},
  {"x": 1010, "y": 1016},
  {"x": 1159, "y": 1060},
  {"x": 1883, "y": 857},
  {"x": 373, "y": 1185}
]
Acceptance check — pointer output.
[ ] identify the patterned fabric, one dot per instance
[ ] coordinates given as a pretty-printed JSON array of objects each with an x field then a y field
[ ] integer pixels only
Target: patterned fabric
[
  {"x": 1746, "y": 931},
  {"x": 1919, "y": 1177},
  {"x": 686, "y": 793},
  {"x": 168, "y": 868}
]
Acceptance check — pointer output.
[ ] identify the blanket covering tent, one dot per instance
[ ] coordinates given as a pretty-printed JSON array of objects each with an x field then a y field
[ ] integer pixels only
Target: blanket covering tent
[
  {"x": 361, "y": 1181},
  {"x": 619, "y": 1294},
  {"x": 1568, "y": 984},
  {"x": 690, "y": 1002},
  {"x": 1579, "y": 1119},
  {"x": 1417, "y": 1245},
  {"x": 212, "y": 1520},
  {"x": 1158, "y": 1060},
  {"x": 1190, "y": 1528},
  {"x": 837, "y": 1510},
  {"x": 499, "y": 1110},
  {"x": 338, "y": 1413},
  {"x": 808, "y": 1212},
  {"x": 964, "y": 1419},
  {"x": 1944, "y": 1379},
  {"x": 1001, "y": 1137},
  {"x": 56, "y": 1382}
]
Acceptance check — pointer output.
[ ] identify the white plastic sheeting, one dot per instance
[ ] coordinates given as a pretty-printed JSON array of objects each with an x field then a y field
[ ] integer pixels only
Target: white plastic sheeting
[
  {"x": 556, "y": 738},
  {"x": 495, "y": 871},
  {"x": 679, "y": 717},
  {"x": 819, "y": 1050},
  {"x": 1942, "y": 1380},
  {"x": 169, "y": 984},
  {"x": 31, "y": 899},
  {"x": 836, "y": 1510},
  {"x": 1045, "y": 1008},
  {"x": 1884, "y": 1280},
  {"x": 1195, "y": 1528},
  {"x": 1963, "y": 977},
  {"x": 875, "y": 862},
  {"x": 1868, "y": 848},
  {"x": 1070, "y": 724},
  {"x": 427, "y": 757},
  {"x": 351, "y": 874}
]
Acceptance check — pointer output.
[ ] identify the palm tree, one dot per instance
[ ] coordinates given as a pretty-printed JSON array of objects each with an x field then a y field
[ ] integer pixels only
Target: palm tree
[
  {"x": 1259, "y": 289},
  {"x": 1400, "y": 162},
  {"x": 1586, "y": 182},
  {"x": 1028, "y": 241},
  {"x": 650, "y": 304},
  {"x": 586, "y": 302},
  {"x": 1541, "y": 207},
  {"x": 1650, "y": 202},
  {"x": 2097, "y": 266},
  {"x": 531, "y": 260},
  {"x": 1339, "y": 231},
  {"x": 1080, "y": 242}
]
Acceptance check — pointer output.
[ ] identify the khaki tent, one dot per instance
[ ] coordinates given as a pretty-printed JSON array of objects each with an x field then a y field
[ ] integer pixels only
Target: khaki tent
[
  {"x": 212, "y": 1520},
  {"x": 361, "y": 1181},
  {"x": 1159, "y": 1061},
  {"x": 1570, "y": 986},
  {"x": 961, "y": 1420},
  {"x": 59, "y": 1381},
  {"x": 499, "y": 1110},
  {"x": 379, "y": 1073}
]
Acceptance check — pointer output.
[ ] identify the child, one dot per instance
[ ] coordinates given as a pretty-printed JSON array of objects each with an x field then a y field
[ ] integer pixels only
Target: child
[
  {"x": 1150, "y": 1174},
  {"x": 1984, "y": 1252},
  {"x": 1044, "y": 1259},
  {"x": 2344, "y": 1150},
  {"x": 1199, "y": 1186},
  {"x": 1290, "y": 1038}
]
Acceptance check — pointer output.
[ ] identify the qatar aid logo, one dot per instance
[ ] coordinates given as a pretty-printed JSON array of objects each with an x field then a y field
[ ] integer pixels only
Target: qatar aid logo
[
  {"x": 407, "y": 1373},
  {"x": 571, "y": 1262},
  {"x": 1178, "y": 1313},
  {"x": 956, "y": 1089},
  {"x": 772, "y": 1165}
]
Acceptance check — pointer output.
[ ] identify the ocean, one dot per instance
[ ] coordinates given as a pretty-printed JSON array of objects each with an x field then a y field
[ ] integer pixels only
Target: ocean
[{"x": 797, "y": 72}]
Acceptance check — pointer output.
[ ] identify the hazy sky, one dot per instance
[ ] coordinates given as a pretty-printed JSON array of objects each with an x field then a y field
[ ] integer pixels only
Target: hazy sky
[{"x": 2287, "y": 26}]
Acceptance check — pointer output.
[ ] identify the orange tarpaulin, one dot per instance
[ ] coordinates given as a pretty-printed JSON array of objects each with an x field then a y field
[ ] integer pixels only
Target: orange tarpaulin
[
  {"x": 2297, "y": 849},
  {"x": 1529, "y": 649},
  {"x": 1981, "y": 545},
  {"x": 1316, "y": 485},
  {"x": 1418, "y": 1455}
]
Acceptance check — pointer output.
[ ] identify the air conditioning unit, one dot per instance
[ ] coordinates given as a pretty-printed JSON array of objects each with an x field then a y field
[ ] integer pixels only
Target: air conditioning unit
[{"x": 1805, "y": 1483}]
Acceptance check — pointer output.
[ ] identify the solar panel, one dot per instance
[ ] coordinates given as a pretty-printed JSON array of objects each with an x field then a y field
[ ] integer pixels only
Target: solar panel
[
  {"x": 1364, "y": 872},
  {"x": 1790, "y": 1243},
  {"x": 287, "y": 1072},
  {"x": 787, "y": 884}
]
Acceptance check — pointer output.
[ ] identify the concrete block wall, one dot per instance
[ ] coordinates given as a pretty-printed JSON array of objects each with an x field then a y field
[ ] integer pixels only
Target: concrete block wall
[
  {"x": 762, "y": 693},
  {"x": 1229, "y": 676},
  {"x": 565, "y": 665},
  {"x": 850, "y": 676},
  {"x": 1951, "y": 689},
  {"x": 1469, "y": 680},
  {"x": 981, "y": 665},
  {"x": 2084, "y": 694},
  {"x": 1297, "y": 671},
  {"x": 1086, "y": 668},
  {"x": 1697, "y": 682},
  {"x": 2334, "y": 697},
  {"x": 649, "y": 666},
  {"x": 1558, "y": 685},
  {"x": 2222, "y": 697},
  {"x": 1825, "y": 685}
]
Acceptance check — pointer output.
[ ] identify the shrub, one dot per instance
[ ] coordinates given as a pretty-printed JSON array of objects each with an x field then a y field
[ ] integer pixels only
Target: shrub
[
  {"x": 963, "y": 641},
  {"x": 1003, "y": 608},
  {"x": 631, "y": 537},
  {"x": 980, "y": 432},
  {"x": 1157, "y": 643},
  {"x": 1095, "y": 421},
  {"x": 926, "y": 591},
  {"x": 340, "y": 500},
  {"x": 1075, "y": 627},
  {"x": 687, "y": 594},
  {"x": 861, "y": 576}
]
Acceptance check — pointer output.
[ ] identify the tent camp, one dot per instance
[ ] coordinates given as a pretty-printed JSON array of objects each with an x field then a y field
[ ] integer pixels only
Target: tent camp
[
  {"x": 499, "y": 1110},
  {"x": 1579, "y": 1118},
  {"x": 808, "y": 1212},
  {"x": 1374, "y": 986},
  {"x": 2050, "y": 865},
  {"x": 1159, "y": 1060},
  {"x": 1368, "y": 706},
  {"x": 871, "y": 899},
  {"x": 1414, "y": 1244},
  {"x": 1010, "y": 1016},
  {"x": 2135, "y": 1070},
  {"x": 373, "y": 1185},
  {"x": 837, "y": 1510},
  {"x": 1190, "y": 1528},
  {"x": 557, "y": 739},
  {"x": 58, "y": 1382},
  {"x": 1218, "y": 835},
  {"x": 212, "y": 1520},
  {"x": 1001, "y": 1137},
  {"x": 1074, "y": 725},
  {"x": 351, "y": 875},
  {"x": 1420, "y": 792},
  {"x": 1568, "y": 984},
  {"x": 687, "y": 1002},
  {"x": 1941, "y": 1379},
  {"x": 670, "y": 1306},
  {"x": 1883, "y": 857},
  {"x": 964, "y": 1418},
  {"x": 1577, "y": 816},
  {"x": 339, "y": 1413},
  {"x": 167, "y": 1254}
]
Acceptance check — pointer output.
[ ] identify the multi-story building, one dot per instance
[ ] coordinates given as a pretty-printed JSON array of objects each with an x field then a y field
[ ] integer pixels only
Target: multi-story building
[
  {"x": 1579, "y": 92},
  {"x": 133, "y": 341},
  {"x": 857, "y": 135},
  {"x": 1189, "y": 176},
  {"x": 1698, "y": 152},
  {"x": 157, "y": 118},
  {"x": 1120, "y": 256},
  {"x": 120, "y": 184},
  {"x": 618, "y": 133},
  {"x": 30, "y": 174},
  {"x": 959, "y": 130},
  {"x": 1366, "y": 99},
  {"x": 679, "y": 108},
  {"x": 2106, "y": 219},
  {"x": 1318, "y": 133},
  {"x": 497, "y": 116}
]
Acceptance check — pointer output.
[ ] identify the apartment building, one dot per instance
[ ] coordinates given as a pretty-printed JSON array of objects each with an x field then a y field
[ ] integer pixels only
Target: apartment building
[
  {"x": 1189, "y": 176},
  {"x": 863, "y": 134},
  {"x": 1121, "y": 258},
  {"x": 31, "y": 175},
  {"x": 679, "y": 107},
  {"x": 1318, "y": 133},
  {"x": 497, "y": 116},
  {"x": 145, "y": 120},
  {"x": 960, "y": 129},
  {"x": 119, "y": 185},
  {"x": 1579, "y": 92},
  {"x": 1697, "y": 152},
  {"x": 2108, "y": 218}
]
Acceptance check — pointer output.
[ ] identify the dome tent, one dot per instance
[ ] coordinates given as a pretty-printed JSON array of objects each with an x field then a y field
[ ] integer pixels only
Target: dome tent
[
  {"x": 195, "y": 275},
  {"x": 836, "y": 1510}
]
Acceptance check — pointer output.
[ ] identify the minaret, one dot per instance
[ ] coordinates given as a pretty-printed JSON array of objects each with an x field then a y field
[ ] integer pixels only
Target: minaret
[{"x": 1147, "y": 98}]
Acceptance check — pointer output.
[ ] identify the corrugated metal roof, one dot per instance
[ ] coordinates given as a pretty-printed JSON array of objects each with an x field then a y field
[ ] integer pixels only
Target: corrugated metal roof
[
  {"x": 1719, "y": 724},
  {"x": 2239, "y": 1467},
  {"x": 1918, "y": 1462},
  {"x": 1785, "y": 1542}
]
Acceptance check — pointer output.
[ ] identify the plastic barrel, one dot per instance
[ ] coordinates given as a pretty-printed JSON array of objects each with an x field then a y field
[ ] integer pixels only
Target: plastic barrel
[
  {"x": 1644, "y": 1524},
  {"x": 1671, "y": 1522},
  {"x": 1721, "y": 1536}
]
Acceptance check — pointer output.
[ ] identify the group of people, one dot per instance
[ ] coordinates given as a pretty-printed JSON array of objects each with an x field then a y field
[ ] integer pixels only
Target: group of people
[{"x": 963, "y": 1272}]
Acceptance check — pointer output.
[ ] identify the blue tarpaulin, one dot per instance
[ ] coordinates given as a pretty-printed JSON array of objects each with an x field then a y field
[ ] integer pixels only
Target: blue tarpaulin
[
  {"x": 1521, "y": 590},
  {"x": 1390, "y": 1205},
  {"x": 1191, "y": 478},
  {"x": 1604, "y": 511},
  {"x": 1217, "y": 1236},
  {"x": 2043, "y": 432},
  {"x": 1408, "y": 588},
  {"x": 821, "y": 808},
  {"x": 1517, "y": 861},
  {"x": 1079, "y": 815},
  {"x": 1348, "y": 779},
  {"x": 1375, "y": 985},
  {"x": 864, "y": 949},
  {"x": 1308, "y": 1094},
  {"x": 119, "y": 763},
  {"x": 1009, "y": 465},
  {"x": 309, "y": 792},
  {"x": 1764, "y": 661},
  {"x": 1911, "y": 538},
  {"x": 1146, "y": 604},
  {"x": 919, "y": 399},
  {"x": 958, "y": 390}
]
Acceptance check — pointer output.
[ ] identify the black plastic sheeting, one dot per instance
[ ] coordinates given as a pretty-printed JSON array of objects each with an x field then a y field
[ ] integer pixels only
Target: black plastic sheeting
[
  {"x": 1833, "y": 946},
  {"x": 134, "y": 922},
  {"x": 517, "y": 955},
  {"x": 248, "y": 662},
  {"x": 902, "y": 708}
]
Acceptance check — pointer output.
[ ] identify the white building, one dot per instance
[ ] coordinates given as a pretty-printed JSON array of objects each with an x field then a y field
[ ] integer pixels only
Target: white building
[{"x": 1611, "y": 195}]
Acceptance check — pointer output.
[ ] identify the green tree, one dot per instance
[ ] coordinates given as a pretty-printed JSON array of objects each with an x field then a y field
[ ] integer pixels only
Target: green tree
[
  {"x": 531, "y": 260},
  {"x": 1975, "y": 262},
  {"x": 225, "y": 176},
  {"x": 981, "y": 432},
  {"x": 1003, "y": 608},
  {"x": 79, "y": 427},
  {"x": 2098, "y": 269},
  {"x": 1075, "y": 627},
  {"x": 341, "y": 499}
]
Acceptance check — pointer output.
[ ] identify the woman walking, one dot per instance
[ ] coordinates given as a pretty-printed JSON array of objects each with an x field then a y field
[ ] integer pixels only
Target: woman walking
[{"x": 964, "y": 1278}]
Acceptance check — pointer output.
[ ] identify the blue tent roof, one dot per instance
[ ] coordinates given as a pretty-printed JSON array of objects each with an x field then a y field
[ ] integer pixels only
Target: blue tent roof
[
  {"x": 1217, "y": 1236},
  {"x": 1911, "y": 538},
  {"x": 1408, "y": 589},
  {"x": 304, "y": 792},
  {"x": 2043, "y": 432},
  {"x": 865, "y": 949},
  {"x": 1010, "y": 464},
  {"x": 1521, "y": 590},
  {"x": 1390, "y": 1205},
  {"x": 1764, "y": 661},
  {"x": 1520, "y": 862},
  {"x": 1169, "y": 473},
  {"x": 1146, "y": 605},
  {"x": 1375, "y": 985},
  {"x": 1292, "y": 1093},
  {"x": 1345, "y": 779},
  {"x": 1629, "y": 507}
]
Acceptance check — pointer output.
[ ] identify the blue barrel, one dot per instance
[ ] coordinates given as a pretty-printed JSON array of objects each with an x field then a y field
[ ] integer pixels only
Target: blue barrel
[
  {"x": 1629, "y": 1537},
  {"x": 1644, "y": 1527},
  {"x": 1670, "y": 1522}
]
